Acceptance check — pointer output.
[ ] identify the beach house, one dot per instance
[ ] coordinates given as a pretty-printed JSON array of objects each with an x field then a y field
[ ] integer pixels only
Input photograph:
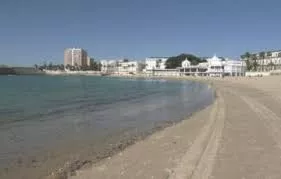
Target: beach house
[
  {"x": 215, "y": 67},
  {"x": 187, "y": 69}
]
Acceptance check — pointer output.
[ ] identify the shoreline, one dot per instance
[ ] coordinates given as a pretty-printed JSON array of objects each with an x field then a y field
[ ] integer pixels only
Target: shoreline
[
  {"x": 203, "y": 145},
  {"x": 70, "y": 168}
]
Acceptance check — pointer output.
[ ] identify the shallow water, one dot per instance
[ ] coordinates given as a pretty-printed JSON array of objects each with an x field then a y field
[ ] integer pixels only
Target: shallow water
[{"x": 46, "y": 121}]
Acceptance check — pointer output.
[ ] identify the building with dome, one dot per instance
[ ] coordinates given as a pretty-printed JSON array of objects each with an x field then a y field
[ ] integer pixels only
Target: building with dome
[{"x": 215, "y": 67}]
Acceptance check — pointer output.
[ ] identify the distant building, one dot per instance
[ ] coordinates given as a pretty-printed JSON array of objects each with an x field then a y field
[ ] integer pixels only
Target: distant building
[
  {"x": 132, "y": 67},
  {"x": 120, "y": 67},
  {"x": 75, "y": 57},
  {"x": 90, "y": 61},
  {"x": 187, "y": 69},
  {"x": 267, "y": 61},
  {"x": 214, "y": 66},
  {"x": 234, "y": 67},
  {"x": 155, "y": 63},
  {"x": 109, "y": 66}
]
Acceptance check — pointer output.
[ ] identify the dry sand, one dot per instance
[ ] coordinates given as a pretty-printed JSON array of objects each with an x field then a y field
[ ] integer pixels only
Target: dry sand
[{"x": 238, "y": 136}]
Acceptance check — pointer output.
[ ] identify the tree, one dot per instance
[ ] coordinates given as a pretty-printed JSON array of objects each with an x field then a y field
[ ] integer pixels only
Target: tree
[
  {"x": 271, "y": 65},
  {"x": 250, "y": 60},
  {"x": 262, "y": 55},
  {"x": 248, "y": 65},
  {"x": 99, "y": 66},
  {"x": 247, "y": 55},
  {"x": 68, "y": 67},
  {"x": 36, "y": 67},
  {"x": 50, "y": 66},
  {"x": 61, "y": 67},
  {"x": 222, "y": 58},
  {"x": 174, "y": 62},
  {"x": 125, "y": 60},
  {"x": 268, "y": 54},
  {"x": 255, "y": 63}
]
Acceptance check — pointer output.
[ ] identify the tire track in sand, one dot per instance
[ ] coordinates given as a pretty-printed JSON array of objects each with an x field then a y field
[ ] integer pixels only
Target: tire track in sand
[
  {"x": 270, "y": 120},
  {"x": 199, "y": 160}
]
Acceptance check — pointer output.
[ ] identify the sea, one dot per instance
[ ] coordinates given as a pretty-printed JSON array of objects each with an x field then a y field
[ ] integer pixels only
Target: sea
[{"x": 51, "y": 123}]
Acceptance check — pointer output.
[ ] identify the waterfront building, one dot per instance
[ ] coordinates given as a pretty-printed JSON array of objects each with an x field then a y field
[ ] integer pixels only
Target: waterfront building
[
  {"x": 155, "y": 63},
  {"x": 109, "y": 65},
  {"x": 187, "y": 69},
  {"x": 234, "y": 67},
  {"x": 266, "y": 61},
  {"x": 129, "y": 67},
  {"x": 75, "y": 57},
  {"x": 215, "y": 67},
  {"x": 186, "y": 63},
  {"x": 121, "y": 67},
  {"x": 89, "y": 61}
]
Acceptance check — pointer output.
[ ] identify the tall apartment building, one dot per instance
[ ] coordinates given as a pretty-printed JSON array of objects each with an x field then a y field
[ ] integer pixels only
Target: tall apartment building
[{"x": 75, "y": 57}]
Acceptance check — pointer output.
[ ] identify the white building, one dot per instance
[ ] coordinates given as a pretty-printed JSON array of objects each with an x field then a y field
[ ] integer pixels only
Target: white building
[
  {"x": 194, "y": 70},
  {"x": 109, "y": 66},
  {"x": 130, "y": 67},
  {"x": 120, "y": 67},
  {"x": 227, "y": 67},
  {"x": 214, "y": 67},
  {"x": 268, "y": 61},
  {"x": 185, "y": 63},
  {"x": 234, "y": 67},
  {"x": 155, "y": 63}
]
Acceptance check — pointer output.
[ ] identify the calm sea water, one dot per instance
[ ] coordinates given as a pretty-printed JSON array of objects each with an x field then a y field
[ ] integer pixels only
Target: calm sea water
[{"x": 48, "y": 120}]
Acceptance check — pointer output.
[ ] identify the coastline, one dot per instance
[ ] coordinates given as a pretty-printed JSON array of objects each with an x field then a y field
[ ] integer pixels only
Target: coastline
[
  {"x": 70, "y": 168},
  {"x": 213, "y": 142}
]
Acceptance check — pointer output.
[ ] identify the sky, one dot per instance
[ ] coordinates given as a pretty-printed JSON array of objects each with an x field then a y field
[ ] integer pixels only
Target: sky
[{"x": 37, "y": 31}]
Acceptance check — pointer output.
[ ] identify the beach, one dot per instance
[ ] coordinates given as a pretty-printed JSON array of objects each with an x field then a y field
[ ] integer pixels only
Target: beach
[
  {"x": 238, "y": 136},
  {"x": 58, "y": 124}
]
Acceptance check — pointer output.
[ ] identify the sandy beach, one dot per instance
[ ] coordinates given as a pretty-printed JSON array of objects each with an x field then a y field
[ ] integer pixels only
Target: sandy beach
[{"x": 238, "y": 136}]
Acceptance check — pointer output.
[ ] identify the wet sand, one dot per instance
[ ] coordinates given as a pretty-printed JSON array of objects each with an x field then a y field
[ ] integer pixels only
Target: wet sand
[{"x": 238, "y": 136}]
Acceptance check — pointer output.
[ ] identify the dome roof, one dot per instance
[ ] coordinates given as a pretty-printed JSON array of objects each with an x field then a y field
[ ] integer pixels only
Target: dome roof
[{"x": 214, "y": 58}]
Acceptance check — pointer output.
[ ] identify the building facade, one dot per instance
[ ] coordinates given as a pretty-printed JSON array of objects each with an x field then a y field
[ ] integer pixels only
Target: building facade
[
  {"x": 109, "y": 66},
  {"x": 267, "y": 61},
  {"x": 89, "y": 61},
  {"x": 130, "y": 67},
  {"x": 75, "y": 57},
  {"x": 234, "y": 68},
  {"x": 121, "y": 67},
  {"x": 155, "y": 63},
  {"x": 187, "y": 69},
  {"x": 215, "y": 67}
]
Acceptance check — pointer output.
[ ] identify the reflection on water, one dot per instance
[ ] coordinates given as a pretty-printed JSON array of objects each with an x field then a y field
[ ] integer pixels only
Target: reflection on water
[{"x": 45, "y": 121}]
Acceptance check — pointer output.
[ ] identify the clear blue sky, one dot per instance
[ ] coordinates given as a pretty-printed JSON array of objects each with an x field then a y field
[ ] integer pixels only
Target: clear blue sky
[{"x": 32, "y": 31}]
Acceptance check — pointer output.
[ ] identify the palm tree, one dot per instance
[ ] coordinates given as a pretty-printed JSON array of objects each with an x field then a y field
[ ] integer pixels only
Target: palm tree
[
  {"x": 247, "y": 57},
  {"x": 262, "y": 55},
  {"x": 50, "y": 66},
  {"x": 255, "y": 64},
  {"x": 271, "y": 65}
]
